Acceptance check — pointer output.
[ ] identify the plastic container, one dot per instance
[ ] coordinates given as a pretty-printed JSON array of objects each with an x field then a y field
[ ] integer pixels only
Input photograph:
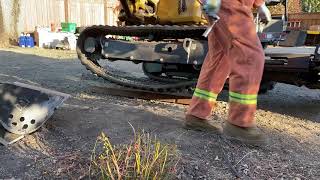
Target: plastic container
[
  {"x": 22, "y": 41},
  {"x": 32, "y": 41},
  {"x": 27, "y": 38},
  {"x": 69, "y": 27},
  {"x": 29, "y": 41}
]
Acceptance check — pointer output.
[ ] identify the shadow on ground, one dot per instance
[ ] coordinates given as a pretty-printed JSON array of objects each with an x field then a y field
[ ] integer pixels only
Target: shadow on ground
[
  {"x": 68, "y": 138},
  {"x": 71, "y": 77},
  {"x": 63, "y": 147}
]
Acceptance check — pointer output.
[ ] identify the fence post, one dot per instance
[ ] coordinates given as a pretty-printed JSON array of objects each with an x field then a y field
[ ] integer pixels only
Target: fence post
[
  {"x": 106, "y": 12},
  {"x": 66, "y": 10},
  {"x": 111, "y": 12}
]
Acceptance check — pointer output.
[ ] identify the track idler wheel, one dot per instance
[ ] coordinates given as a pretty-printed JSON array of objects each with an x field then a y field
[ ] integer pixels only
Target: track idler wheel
[{"x": 90, "y": 45}]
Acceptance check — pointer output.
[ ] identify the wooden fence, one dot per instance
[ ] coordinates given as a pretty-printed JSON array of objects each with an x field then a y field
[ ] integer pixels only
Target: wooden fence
[
  {"x": 83, "y": 12},
  {"x": 89, "y": 12}
]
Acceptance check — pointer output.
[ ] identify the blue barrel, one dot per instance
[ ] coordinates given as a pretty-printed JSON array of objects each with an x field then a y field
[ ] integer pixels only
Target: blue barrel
[
  {"x": 29, "y": 41},
  {"x": 22, "y": 41}
]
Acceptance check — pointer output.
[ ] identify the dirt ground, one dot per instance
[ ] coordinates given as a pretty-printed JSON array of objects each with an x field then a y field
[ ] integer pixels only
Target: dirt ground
[{"x": 289, "y": 115}]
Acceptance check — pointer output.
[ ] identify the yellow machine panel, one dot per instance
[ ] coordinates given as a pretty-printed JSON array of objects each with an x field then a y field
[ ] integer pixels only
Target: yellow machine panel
[
  {"x": 180, "y": 12},
  {"x": 167, "y": 11},
  {"x": 139, "y": 5}
]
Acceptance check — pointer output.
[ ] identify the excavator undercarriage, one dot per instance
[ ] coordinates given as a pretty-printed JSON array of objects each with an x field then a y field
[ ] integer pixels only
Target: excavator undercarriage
[{"x": 166, "y": 38}]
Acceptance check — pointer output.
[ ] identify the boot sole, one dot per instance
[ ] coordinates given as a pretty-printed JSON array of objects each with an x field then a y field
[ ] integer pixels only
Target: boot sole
[
  {"x": 257, "y": 143},
  {"x": 202, "y": 129}
]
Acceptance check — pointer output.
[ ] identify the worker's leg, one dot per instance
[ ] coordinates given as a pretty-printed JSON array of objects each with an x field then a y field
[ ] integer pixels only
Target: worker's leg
[
  {"x": 246, "y": 72},
  {"x": 214, "y": 73}
]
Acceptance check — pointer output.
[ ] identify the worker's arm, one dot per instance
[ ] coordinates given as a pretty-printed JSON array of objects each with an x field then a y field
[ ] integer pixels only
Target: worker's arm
[
  {"x": 211, "y": 9},
  {"x": 263, "y": 10}
]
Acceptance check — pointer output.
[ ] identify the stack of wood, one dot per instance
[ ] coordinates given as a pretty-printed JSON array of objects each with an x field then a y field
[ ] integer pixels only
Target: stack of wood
[{"x": 294, "y": 6}]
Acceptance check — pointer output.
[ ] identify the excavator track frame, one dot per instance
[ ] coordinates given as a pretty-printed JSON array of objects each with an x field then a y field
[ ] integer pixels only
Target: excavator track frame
[{"x": 90, "y": 60}]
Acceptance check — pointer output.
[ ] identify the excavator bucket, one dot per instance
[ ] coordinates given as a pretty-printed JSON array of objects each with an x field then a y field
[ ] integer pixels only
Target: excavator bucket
[{"x": 25, "y": 108}]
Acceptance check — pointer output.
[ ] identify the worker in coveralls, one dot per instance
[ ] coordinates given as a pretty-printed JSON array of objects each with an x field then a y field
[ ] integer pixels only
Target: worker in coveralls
[{"x": 235, "y": 53}]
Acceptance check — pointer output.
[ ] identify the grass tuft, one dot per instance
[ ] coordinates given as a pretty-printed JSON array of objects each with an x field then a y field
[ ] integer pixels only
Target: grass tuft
[{"x": 144, "y": 158}]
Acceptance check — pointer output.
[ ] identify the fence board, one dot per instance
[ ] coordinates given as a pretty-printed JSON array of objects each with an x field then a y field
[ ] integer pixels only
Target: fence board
[
  {"x": 87, "y": 12},
  {"x": 40, "y": 12},
  {"x": 111, "y": 15},
  {"x": 83, "y": 12}
]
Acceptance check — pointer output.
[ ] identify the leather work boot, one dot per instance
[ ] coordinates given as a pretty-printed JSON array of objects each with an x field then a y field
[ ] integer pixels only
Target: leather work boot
[
  {"x": 251, "y": 136},
  {"x": 198, "y": 124}
]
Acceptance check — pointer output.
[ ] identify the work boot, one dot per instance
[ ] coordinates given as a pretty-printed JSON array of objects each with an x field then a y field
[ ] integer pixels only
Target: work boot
[
  {"x": 198, "y": 124},
  {"x": 251, "y": 135}
]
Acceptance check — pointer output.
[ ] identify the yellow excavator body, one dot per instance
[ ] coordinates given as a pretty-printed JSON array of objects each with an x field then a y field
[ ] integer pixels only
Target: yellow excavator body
[
  {"x": 166, "y": 11},
  {"x": 180, "y": 12}
]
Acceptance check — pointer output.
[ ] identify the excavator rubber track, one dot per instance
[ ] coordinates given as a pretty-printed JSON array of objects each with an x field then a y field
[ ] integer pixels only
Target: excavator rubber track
[{"x": 157, "y": 32}]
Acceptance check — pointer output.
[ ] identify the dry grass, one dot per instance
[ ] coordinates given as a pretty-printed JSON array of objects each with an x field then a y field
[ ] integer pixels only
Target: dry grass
[
  {"x": 54, "y": 54},
  {"x": 144, "y": 158}
]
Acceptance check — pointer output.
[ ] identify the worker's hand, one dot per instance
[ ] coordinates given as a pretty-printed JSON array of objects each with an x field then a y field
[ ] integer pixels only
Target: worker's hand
[
  {"x": 211, "y": 7},
  {"x": 264, "y": 13}
]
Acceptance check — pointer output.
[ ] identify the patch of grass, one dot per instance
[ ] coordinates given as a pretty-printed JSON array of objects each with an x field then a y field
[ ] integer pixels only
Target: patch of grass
[
  {"x": 144, "y": 157},
  {"x": 52, "y": 54}
]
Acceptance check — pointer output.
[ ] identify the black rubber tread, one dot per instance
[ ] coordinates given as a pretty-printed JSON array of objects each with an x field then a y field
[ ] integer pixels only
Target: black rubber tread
[{"x": 159, "y": 31}]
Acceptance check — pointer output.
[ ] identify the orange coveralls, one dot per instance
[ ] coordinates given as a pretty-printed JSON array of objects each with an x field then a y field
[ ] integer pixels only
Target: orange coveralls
[{"x": 235, "y": 52}]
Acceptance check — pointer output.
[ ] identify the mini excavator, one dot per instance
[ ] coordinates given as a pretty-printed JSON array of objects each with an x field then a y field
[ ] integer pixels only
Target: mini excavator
[{"x": 165, "y": 37}]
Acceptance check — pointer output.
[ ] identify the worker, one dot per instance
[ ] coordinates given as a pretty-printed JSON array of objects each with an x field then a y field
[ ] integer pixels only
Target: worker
[{"x": 235, "y": 53}]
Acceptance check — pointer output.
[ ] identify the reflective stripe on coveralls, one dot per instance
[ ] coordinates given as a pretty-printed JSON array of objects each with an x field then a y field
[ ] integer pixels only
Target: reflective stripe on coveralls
[
  {"x": 234, "y": 51},
  {"x": 236, "y": 97},
  {"x": 243, "y": 98},
  {"x": 206, "y": 95}
]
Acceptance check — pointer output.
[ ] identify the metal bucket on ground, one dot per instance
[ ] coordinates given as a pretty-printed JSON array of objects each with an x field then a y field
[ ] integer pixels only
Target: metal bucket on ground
[{"x": 25, "y": 108}]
